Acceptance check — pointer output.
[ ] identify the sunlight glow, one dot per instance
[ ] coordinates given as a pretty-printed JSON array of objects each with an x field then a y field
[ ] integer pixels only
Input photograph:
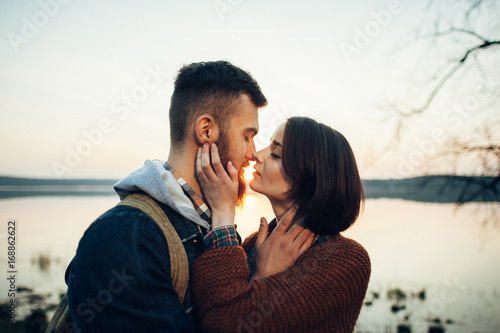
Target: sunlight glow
[
  {"x": 248, "y": 172},
  {"x": 249, "y": 200}
]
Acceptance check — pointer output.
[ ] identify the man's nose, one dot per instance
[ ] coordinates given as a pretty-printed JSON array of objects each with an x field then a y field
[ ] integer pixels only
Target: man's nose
[{"x": 250, "y": 151}]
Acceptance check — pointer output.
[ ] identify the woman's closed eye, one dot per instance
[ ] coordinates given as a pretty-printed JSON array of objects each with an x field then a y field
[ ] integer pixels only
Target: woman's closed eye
[{"x": 274, "y": 155}]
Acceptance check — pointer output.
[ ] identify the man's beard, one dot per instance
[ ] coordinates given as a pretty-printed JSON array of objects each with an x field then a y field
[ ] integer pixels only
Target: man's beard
[{"x": 223, "y": 147}]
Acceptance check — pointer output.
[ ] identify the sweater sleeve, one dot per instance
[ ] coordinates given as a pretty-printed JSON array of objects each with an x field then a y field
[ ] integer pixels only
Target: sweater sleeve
[{"x": 327, "y": 284}]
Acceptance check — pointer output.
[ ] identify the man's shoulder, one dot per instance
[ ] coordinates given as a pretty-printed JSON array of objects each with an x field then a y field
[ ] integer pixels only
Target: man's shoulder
[
  {"x": 128, "y": 219},
  {"x": 124, "y": 247},
  {"x": 132, "y": 214},
  {"x": 117, "y": 229},
  {"x": 120, "y": 218}
]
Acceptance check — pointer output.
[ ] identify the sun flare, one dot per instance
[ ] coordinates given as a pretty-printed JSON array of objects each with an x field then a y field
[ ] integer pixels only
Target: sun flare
[
  {"x": 248, "y": 172},
  {"x": 249, "y": 200}
]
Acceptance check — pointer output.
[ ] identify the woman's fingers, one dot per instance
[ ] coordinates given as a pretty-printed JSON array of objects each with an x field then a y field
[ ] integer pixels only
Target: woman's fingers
[
  {"x": 280, "y": 250},
  {"x": 199, "y": 166},
  {"x": 285, "y": 221},
  {"x": 262, "y": 234},
  {"x": 299, "y": 235},
  {"x": 217, "y": 188},
  {"x": 206, "y": 165},
  {"x": 299, "y": 240},
  {"x": 233, "y": 173},
  {"x": 306, "y": 244},
  {"x": 216, "y": 163},
  {"x": 210, "y": 165},
  {"x": 295, "y": 231}
]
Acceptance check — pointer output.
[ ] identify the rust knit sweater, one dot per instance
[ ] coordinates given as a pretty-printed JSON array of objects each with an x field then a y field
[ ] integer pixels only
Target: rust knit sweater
[{"x": 322, "y": 292}]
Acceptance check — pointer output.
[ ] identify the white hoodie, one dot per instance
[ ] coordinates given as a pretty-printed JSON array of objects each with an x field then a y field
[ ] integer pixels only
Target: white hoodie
[{"x": 160, "y": 184}]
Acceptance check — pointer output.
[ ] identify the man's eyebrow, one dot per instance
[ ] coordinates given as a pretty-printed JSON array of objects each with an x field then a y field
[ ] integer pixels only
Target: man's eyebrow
[{"x": 253, "y": 130}]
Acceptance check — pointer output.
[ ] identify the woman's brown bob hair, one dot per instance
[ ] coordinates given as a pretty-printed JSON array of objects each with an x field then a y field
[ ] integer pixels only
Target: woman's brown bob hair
[{"x": 326, "y": 182}]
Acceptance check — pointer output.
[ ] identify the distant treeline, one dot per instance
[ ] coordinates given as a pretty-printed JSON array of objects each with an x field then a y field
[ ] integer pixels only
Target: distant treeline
[
  {"x": 13, "y": 181},
  {"x": 11, "y": 187},
  {"x": 442, "y": 189}
]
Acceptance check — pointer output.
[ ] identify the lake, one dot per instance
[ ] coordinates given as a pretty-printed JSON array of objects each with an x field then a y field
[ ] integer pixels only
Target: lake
[{"x": 431, "y": 263}]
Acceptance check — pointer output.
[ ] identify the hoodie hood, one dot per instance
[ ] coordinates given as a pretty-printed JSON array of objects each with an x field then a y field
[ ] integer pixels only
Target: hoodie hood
[{"x": 154, "y": 180}]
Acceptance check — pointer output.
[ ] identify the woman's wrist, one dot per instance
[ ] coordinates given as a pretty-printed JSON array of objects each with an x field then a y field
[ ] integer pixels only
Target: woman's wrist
[{"x": 220, "y": 219}]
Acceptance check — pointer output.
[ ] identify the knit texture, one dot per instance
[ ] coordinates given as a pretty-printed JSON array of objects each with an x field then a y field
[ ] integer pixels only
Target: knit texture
[{"x": 322, "y": 292}]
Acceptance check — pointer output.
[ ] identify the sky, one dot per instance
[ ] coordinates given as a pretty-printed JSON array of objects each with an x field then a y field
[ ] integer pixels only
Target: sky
[{"x": 85, "y": 85}]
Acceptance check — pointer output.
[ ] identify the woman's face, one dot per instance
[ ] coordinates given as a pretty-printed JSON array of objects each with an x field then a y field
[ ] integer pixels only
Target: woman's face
[{"x": 269, "y": 177}]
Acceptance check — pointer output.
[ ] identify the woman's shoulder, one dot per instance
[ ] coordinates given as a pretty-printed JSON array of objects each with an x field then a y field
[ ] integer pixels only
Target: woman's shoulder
[
  {"x": 340, "y": 261},
  {"x": 339, "y": 249},
  {"x": 342, "y": 243}
]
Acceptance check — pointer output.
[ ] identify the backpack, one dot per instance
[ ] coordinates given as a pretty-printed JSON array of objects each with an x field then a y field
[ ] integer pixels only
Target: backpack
[{"x": 61, "y": 320}]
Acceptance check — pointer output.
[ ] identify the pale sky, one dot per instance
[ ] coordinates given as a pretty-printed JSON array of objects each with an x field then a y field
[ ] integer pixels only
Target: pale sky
[{"x": 85, "y": 85}]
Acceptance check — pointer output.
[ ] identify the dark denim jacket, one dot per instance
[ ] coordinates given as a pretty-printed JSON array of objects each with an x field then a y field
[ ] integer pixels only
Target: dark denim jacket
[{"x": 119, "y": 279}]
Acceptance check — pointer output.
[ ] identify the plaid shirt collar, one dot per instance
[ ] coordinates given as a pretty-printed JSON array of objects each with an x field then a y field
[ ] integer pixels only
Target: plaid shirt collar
[{"x": 201, "y": 207}]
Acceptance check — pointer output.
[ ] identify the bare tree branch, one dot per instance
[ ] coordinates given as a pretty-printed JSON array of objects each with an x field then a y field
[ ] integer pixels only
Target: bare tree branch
[
  {"x": 473, "y": 37},
  {"x": 453, "y": 30},
  {"x": 485, "y": 45},
  {"x": 459, "y": 63},
  {"x": 428, "y": 5},
  {"x": 472, "y": 8}
]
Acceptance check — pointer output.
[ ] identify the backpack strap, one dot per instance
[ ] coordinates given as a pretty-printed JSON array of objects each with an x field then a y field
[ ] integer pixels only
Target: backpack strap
[
  {"x": 61, "y": 319},
  {"x": 179, "y": 267}
]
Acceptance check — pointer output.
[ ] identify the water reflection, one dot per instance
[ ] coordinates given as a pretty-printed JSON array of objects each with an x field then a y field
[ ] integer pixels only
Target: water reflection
[
  {"x": 429, "y": 261},
  {"x": 42, "y": 261}
]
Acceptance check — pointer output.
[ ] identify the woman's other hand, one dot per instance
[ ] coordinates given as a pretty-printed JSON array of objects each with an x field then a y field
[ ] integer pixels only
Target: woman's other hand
[
  {"x": 281, "y": 249},
  {"x": 220, "y": 189}
]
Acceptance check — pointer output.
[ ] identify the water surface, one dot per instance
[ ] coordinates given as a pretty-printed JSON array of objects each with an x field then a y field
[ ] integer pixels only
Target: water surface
[{"x": 413, "y": 246}]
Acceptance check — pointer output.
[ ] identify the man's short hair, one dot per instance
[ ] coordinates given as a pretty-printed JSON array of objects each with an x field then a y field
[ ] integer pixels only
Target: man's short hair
[{"x": 209, "y": 87}]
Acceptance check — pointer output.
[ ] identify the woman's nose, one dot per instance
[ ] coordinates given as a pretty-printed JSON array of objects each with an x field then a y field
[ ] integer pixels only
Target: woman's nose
[{"x": 257, "y": 156}]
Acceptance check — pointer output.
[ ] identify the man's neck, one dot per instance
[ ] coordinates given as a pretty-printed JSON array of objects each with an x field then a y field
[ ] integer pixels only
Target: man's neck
[{"x": 183, "y": 162}]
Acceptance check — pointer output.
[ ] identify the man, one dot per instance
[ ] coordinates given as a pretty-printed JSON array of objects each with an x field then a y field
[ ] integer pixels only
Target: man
[{"x": 120, "y": 278}]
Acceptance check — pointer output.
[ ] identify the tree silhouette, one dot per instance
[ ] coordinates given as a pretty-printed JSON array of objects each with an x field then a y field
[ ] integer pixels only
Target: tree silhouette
[{"x": 463, "y": 39}]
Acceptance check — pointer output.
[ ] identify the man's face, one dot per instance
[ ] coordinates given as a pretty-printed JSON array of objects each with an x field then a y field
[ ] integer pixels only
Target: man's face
[{"x": 236, "y": 144}]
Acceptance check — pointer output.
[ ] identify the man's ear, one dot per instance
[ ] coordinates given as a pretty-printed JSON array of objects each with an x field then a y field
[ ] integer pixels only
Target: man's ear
[{"x": 206, "y": 129}]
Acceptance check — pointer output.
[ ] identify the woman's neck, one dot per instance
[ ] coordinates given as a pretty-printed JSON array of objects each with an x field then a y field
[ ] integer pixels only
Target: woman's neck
[{"x": 280, "y": 208}]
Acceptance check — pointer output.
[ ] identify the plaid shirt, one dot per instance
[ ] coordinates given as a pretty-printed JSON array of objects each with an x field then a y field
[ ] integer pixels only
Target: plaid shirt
[
  {"x": 201, "y": 207},
  {"x": 220, "y": 237}
]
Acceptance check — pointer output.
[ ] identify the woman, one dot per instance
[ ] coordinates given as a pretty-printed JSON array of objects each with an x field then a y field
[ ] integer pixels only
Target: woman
[{"x": 277, "y": 281}]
